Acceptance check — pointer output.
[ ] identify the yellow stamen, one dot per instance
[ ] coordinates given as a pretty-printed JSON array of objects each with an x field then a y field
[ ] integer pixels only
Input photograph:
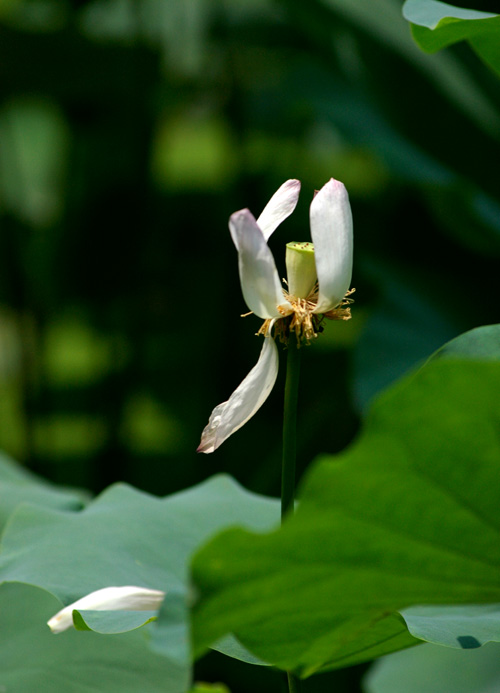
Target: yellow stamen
[{"x": 302, "y": 320}]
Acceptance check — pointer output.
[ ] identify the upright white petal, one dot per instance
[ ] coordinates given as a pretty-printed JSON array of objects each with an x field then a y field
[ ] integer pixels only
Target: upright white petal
[
  {"x": 259, "y": 278},
  {"x": 128, "y": 598},
  {"x": 248, "y": 397},
  {"x": 331, "y": 231},
  {"x": 279, "y": 207}
]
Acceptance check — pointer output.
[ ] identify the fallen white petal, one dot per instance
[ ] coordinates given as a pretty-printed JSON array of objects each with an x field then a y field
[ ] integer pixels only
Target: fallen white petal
[
  {"x": 259, "y": 278},
  {"x": 248, "y": 397},
  {"x": 332, "y": 235},
  {"x": 279, "y": 207},
  {"x": 127, "y": 598}
]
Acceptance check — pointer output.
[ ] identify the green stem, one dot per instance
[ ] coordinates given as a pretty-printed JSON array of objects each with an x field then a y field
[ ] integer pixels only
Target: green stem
[
  {"x": 290, "y": 427},
  {"x": 294, "y": 684},
  {"x": 290, "y": 450}
]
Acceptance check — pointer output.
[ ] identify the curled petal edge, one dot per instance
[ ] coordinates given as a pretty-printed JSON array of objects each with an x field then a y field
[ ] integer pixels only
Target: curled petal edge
[{"x": 245, "y": 401}]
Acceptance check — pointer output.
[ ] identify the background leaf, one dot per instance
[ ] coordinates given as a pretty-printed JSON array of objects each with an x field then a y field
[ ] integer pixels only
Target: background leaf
[
  {"x": 32, "y": 658},
  {"x": 18, "y": 485},
  {"x": 436, "y": 25},
  {"x": 405, "y": 326},
  {"x": 209, "y": 688},
  {"x": 465, "y": 627},
  {"x": 436, "y": 669},
  {"x": 128, "y": 537},
  {"x": 482, "y": 343}
]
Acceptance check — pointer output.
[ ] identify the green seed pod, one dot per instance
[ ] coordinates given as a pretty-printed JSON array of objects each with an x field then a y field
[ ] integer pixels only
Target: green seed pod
[{"x": 301, "y": 269}]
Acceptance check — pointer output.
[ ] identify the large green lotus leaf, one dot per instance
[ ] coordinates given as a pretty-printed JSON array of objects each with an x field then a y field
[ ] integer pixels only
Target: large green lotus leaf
[
  {"x": 408, "y": 515},
  {"x": 33, "y": 659},
  {"x": 465, "y": 627},
  {"x": 126, "y": 537},
  {"x": 434, "y": 669},
  {"x": 437, "y": 24},
  {"x": 18, "y": 485}
]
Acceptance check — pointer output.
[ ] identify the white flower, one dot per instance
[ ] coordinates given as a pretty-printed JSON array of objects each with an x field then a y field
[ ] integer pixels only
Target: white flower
[
  {"x": 128, "y": 598},
  {"x": 321, "y": 270}
]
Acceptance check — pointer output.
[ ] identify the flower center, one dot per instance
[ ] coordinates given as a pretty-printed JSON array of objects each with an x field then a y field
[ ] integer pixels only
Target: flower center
[
  {"x": 302, "y": 320},
  {"x": 302, "y": 295}
]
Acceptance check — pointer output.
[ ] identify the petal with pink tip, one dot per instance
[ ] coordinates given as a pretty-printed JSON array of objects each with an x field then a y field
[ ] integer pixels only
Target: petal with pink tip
[
  {"x": 248, "y": 397},
  {"x": 279, "y": 207},
  {"x": 332, "y": 235},
  {"x": 258, "y": 275}
]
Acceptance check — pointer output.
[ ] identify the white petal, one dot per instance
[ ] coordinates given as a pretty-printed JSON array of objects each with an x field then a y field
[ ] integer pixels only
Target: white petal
[
  {"x": 331, "y": 231},
  {"x": 259, "y": 278},
  {"x": 128, "y": 598},
  {"x": 248, "y": 397},
  {"x": 279, "y": 207}
]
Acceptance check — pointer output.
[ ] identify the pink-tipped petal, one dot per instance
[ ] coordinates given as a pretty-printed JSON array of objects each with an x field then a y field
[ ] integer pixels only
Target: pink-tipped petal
[
  {"x": 279, "y": 207},
  {"x": 248, "y": 397},
  {"x": 332, "y": 235},
  {"x": 259, "y": 278},
  {"x": 127, "y": 598}
]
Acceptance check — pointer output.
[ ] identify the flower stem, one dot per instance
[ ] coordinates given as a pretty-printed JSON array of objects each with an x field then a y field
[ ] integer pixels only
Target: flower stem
[
  {"x": 290, "y": 426},
  {"x": 290, "y": 450}
]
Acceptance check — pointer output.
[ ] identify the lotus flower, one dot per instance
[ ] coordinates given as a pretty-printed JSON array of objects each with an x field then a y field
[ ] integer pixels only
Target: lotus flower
[{"x": 317, "y": 287}]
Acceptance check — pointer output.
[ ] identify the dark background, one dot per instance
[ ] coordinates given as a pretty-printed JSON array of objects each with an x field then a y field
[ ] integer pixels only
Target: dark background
[{"x": 129, "y": 132}]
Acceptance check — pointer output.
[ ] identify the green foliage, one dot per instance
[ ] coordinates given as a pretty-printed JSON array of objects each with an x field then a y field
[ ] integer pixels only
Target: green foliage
[
  {"x": 124, "y": 147},
  {"x": 209, "y": 688},
  {"x": 119, "y": 168},
  {"x": 32, "y": 658},
  {"x": 408, "y": 515},
  {"x": 482, "y": 343},
  {"x": 436, "y": 669},
  {"x": 18, "y": 485},
  {"x": 128, "y": 537},
  {"x": 465, "y": 627},
  {"x": 436, "y": 25},
  {"x": 409, "y": 323}
]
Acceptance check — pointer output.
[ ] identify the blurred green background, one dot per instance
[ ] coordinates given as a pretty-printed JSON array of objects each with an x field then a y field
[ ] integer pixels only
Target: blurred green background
[{"x": 131, "y": 129}]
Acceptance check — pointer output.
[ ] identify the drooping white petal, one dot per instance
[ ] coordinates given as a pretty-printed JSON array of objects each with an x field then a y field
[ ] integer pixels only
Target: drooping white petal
[
  {"x": 331, "y": 231},
  {"x": 128, "y": 598},
  {"x": 248, "y": 397},
  {"x": 279, "y": 207},
  {"x": 259, "y": 278}
]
